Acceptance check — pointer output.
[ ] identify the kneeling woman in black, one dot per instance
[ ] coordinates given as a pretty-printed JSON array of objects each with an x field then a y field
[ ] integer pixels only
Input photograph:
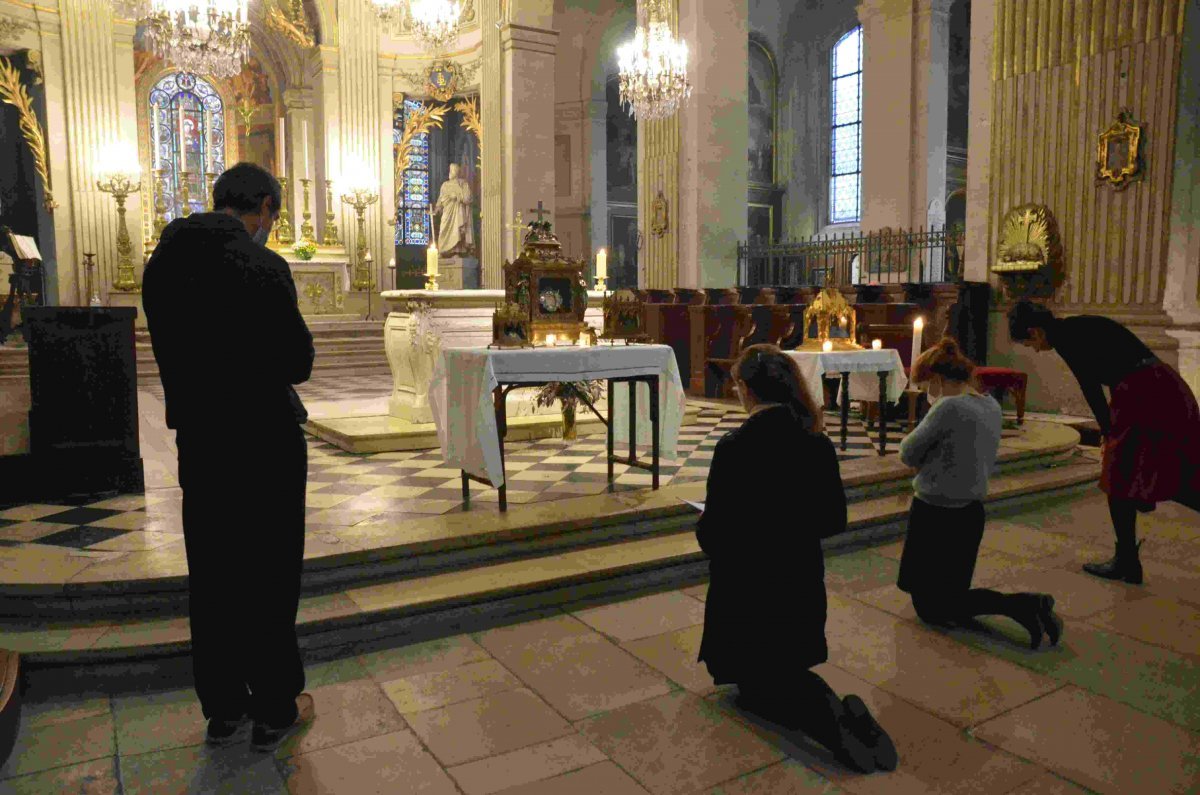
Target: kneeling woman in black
[
  {"x": 774, "y": 490},
  {"x": 953, "y": 450}
]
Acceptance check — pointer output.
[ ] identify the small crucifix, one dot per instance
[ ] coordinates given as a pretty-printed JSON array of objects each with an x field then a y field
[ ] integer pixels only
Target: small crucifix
[{"x": 541, "y": 211}]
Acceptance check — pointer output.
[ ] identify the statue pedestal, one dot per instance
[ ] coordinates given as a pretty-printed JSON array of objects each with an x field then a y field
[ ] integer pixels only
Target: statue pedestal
[
  {"x": 458, "y": 273},
  {"x": 421, "y": 322}
]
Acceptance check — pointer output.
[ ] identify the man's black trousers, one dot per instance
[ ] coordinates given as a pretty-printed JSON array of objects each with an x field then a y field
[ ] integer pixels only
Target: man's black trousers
[{"x": 243, "y": 526}]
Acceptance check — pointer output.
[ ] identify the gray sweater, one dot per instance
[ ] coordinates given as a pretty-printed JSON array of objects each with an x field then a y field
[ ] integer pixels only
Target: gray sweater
[{"x": 954, "y": 449}]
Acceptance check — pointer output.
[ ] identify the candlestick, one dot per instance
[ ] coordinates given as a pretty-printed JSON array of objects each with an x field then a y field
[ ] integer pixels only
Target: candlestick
[
  {"x": 331, "y": 230},
  {"x": 89, "y": 263},
  {"x": 918, "y": 327},
  {"x": 283, "y": 230},
  {"x": 160, "y": 203},
  {"x": 826, "y": 346},
  {"x": 184, "y": 194},
  {"x": 876, "y": 345},
  {"x": 210, "y": 179},
  {"x": 120, "y": 184},
  {"x": 306, "y": 227},
  {"x": 182, "y": 140}
]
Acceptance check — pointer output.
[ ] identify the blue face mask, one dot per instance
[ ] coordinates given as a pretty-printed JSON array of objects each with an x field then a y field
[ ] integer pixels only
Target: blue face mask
[{"x": 262, "y": 235}]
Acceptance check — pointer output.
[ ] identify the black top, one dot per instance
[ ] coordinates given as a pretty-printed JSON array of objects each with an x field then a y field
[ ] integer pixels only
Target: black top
[
  {"x": 774, "y": 491},
  {"x": 225, "y": 326},
  {"x": 1100, "y": 352}
]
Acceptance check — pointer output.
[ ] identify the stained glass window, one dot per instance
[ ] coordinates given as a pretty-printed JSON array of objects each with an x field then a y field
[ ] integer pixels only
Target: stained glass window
[
  {"x": 845, "y": 184},
  {"x": 187, "y": 130},
  {"x": 412, "y": 209}
]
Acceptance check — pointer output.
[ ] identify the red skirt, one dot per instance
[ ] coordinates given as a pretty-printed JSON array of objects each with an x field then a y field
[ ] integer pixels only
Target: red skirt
[{"x": 1153, "y": 450}]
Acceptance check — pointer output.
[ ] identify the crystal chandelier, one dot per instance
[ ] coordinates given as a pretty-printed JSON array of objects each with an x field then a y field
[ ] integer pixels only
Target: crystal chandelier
[
  {"x": 433, "y": 21},
  {"x": 653, "y": 67},
  {"x": 207, "y": 37}
]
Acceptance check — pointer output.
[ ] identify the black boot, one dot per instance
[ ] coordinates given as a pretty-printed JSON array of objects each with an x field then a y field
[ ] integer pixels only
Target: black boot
[
  {"x": 1125, "y": 565},
  {"x": 871, "y": 733},
  {"x": 1025, "y": 609},
  {"x": 1051, "y": 623}
]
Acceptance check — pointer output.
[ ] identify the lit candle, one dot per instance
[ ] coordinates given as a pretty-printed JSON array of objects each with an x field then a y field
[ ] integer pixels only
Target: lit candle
[
  {"x": 877, "y": 344},
  {"x": 602, "y": 264},
  {"x": 305, "y": 128},
  {"x": 154, "y": 136},
  {"x": 842, "y": 321},
  {"x": 431, "y": 261},
  {"x": 182, "y": 140},
  {"x": 280, "y": 149},
  {"x": 918, "y": 326},
  {"x": 827, "y": 346},
  {"x": 392, "y": 263},
  {"x": 208, "y": 141},
  {"x": 551, "y": 339}
]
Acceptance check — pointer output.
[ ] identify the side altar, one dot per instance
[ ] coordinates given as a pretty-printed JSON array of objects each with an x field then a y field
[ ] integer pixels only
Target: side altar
[{"x": 322, "y": 282}]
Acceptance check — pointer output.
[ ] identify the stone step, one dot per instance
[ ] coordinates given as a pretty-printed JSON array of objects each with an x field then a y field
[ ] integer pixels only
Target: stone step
[{"x": 457, "y": 595}]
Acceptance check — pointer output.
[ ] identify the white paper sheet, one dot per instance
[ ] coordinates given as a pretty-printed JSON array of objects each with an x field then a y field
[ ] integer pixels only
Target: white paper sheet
[{"x": 697, "y": 505}]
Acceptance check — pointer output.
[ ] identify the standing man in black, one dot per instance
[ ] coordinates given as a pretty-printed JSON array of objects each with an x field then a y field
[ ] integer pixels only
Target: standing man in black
[
  {"x": 230, "y": 343},
  {"x": 1150, "y": 424}
]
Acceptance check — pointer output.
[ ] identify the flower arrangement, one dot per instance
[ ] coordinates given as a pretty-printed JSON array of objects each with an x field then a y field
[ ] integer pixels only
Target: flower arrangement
[
  {"x": 569, "y": 392},
  {"x": 305, "y": 249}
]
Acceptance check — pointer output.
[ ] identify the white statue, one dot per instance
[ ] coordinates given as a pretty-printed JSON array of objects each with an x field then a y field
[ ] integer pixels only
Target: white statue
[{"x": 456, "y": 231}]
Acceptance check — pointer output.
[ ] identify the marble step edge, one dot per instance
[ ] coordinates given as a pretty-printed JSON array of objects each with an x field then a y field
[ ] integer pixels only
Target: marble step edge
[
  {"x": 452, "y": 599},
  {"x": 482, "y": 527},
  {"x": 105, "y": 592}
]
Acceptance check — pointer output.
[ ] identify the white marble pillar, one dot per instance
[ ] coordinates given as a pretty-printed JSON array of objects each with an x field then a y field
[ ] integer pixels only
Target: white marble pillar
[
  {"x": 891, "y": 136},
  {"x": 933, "y": 31},
  {"x": 714, "y": 133},
  {"x": 528, "y": 125},
  {"x": 596, "y": 130},
  {"x": 979, "y": 142}
]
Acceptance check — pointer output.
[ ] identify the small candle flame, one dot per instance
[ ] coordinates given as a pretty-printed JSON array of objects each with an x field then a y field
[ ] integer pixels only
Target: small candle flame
[
  {"x": 877, "y": 344},
  {"x": 827, "y": 346}
]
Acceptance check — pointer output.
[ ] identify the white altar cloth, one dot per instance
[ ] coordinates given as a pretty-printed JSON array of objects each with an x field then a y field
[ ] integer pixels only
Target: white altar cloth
[
  {"x": 864, "y": 367},
  {"x": 460, "y": 395}
]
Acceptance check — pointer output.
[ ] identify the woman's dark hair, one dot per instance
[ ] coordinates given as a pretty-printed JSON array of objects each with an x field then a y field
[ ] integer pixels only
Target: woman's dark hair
[
  {"x": 945, "y": 359},
  {"x": 774, "y": 377},
  {"x": 243, "y": 187},
  {"x": 1025, "y": 316}
]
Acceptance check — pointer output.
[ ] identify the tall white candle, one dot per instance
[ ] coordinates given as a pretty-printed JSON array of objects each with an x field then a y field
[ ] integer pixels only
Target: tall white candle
[
  {"x": 208, "y": 142},
  {"x": 280, "y": 150},
  {"x": 305, "y": 128},
  {"x": 602, "y": 264},
  {"x": 182, "y": 141},
  {"x": 154, "y": 137},
  {"x": 918, "y": 327},
  {"x": 431, "y": 261}
]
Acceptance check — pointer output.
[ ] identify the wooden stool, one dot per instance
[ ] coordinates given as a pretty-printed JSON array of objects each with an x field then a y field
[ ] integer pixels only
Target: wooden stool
[{"x": 998, "y": 380}]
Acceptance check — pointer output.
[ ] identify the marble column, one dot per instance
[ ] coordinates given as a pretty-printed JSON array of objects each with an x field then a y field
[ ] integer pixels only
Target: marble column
[
  {"x": 596, "y": 129},
  {"x": 979, "y": 142},
  {"x": 298, "y": 110},
  {"x": 98, "y": 99},
  {"x": 713, "y": 167},
  {"x": 492, "y": 149},
  {"x": 527, "y": 123}
]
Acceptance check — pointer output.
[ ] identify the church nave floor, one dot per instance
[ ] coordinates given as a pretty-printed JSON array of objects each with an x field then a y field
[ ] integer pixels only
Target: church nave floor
[{"x": 607, "y": 697}]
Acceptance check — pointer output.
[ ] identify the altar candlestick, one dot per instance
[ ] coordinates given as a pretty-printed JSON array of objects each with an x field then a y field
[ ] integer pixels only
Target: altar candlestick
[
  {"x": 877, "y": 344},
  {"x": 918, "y": 326},
  {"x": 826, "y": 346},
  {"x": 431, "y": 261},
  {"x": 602, "y": 264}
]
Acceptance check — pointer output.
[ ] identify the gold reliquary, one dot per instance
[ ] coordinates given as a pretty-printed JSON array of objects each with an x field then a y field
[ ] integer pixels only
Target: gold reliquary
[
  {"x": 547, "y": 292},
  {"x": 624, "y": 317},
  {"x": 830, "y": 319}
]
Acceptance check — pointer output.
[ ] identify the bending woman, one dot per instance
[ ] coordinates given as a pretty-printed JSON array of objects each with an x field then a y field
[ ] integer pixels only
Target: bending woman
[
  {"x": 1151, "y": 425},
  {"x": 954, "y": 449},
  {"x": 774, "y": 490}
]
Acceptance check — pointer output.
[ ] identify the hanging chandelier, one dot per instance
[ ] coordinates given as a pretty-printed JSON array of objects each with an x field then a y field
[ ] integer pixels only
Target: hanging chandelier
[
  {"x": 653, "y": 67},
  {"x": 435, "y": 22},
  {"x": 207, "y": 37}
]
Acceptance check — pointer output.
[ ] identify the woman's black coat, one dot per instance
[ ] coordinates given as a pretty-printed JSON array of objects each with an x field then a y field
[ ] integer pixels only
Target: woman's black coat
[{"x": 774, "y": 491}]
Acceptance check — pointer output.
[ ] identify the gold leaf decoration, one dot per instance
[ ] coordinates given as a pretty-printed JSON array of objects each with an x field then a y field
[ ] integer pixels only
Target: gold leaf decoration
[
  {"x": 415, "y": 124},
  {"x": 13, "y": 93},
  {"x": 294, "y": 27},
  {"x": 469, "y": 108}
]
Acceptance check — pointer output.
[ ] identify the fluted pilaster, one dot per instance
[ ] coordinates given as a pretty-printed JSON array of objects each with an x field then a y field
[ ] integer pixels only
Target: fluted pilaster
[{"x": 492, "y": 249}]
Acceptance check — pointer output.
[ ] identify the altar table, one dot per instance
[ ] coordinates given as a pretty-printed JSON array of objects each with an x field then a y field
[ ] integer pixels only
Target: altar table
[
  {"x": 855, "y": 368},
  {"x": 468, "y": 396}
]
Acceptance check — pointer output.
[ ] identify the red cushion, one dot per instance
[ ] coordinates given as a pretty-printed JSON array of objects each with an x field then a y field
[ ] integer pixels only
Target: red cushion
[{"x": 1001, "y": 378}]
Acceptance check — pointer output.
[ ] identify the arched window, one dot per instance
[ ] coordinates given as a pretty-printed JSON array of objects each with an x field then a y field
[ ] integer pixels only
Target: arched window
[
  {"x": 412, "y": 211},
  {"x": 845, "y": 182},
  {"x": 187, "y": 132}
]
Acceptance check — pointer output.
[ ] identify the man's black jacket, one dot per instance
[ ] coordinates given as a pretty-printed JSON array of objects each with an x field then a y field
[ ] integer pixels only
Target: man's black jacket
[{"x": 225, "y": 326}]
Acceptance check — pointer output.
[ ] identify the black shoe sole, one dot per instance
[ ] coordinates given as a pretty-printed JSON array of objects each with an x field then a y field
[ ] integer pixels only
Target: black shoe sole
[
  {"x": 883, "y": 750},
  {"x": 1051, "y": 624}
]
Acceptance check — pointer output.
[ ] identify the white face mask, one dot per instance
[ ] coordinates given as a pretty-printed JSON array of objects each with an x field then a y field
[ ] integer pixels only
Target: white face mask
[{"x": 263, "y": 234}]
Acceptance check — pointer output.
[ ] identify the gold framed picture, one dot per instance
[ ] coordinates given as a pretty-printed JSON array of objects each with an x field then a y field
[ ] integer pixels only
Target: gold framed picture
[{"x": 1118, "y": 151}]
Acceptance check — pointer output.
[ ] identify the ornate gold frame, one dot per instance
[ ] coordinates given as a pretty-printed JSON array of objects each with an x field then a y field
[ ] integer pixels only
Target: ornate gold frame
[
  {"x": 624, "y": 317},
  {"x": 660, "y": 220},
  {"x": 13, "y": 93},
  {"x": 1118, "y": 151},
  {"x": 443, "y": 93}
]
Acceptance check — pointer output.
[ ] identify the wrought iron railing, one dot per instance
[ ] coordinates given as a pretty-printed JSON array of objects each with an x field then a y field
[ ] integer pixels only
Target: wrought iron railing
[{"x": 885, "y": 257}]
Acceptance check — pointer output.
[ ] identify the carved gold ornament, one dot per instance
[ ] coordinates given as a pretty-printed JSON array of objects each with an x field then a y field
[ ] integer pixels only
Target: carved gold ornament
[
  {"x": 442, "y": 80},
  {"x": 1118, "y": 152},
  {"x": 659, "y": 220},
  {"x": 1028, "y": 241},
  {"x": 12, "y": 92},
  {"x": 830, "y": 310},
  {"x": 292, "y": 24},
  {"x": 469, "y": 108}
]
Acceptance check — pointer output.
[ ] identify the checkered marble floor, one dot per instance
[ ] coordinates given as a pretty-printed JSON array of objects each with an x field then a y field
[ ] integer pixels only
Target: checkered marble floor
[{"x": 345, "y": 489}]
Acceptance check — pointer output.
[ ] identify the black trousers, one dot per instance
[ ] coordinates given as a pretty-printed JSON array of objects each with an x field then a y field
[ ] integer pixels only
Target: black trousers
[
  {"x": 805, "y": 702},
  {"x": 243, "y": 528}
]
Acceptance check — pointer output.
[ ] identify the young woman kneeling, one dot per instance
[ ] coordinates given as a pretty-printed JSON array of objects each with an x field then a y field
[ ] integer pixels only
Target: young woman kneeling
[
  {"x": 774, "y": 490},
  {"x": 953, "y": 449}
]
